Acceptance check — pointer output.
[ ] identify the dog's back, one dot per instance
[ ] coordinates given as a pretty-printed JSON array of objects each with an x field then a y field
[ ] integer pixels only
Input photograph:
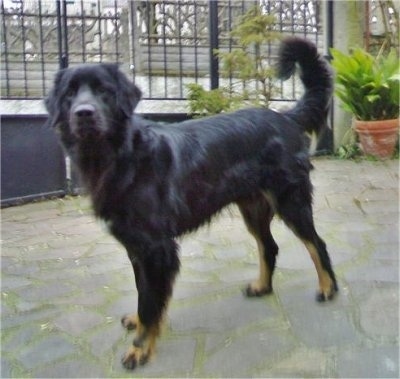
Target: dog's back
[{"x": 254, "y": 126}]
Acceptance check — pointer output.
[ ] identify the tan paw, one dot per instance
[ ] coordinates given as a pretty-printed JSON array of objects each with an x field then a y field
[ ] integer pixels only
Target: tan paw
[
  {"x": 135, "y": 356},
  {"x": 130, "y": 322},
  {"x": 255, "y": 289},
  {"x": 328, "y": 294}
]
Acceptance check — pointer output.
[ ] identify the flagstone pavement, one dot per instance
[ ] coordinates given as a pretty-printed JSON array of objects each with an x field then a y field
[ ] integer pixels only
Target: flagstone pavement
[{"x": 65, "y": 284}]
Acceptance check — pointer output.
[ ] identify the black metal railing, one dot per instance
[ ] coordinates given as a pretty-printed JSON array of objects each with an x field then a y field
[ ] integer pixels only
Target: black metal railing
[{"x": 162, "y": 45}]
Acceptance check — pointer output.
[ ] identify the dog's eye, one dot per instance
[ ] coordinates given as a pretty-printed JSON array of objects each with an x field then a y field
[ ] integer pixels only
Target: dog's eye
[
  {"x": 102, "y": 90},
  {"x": 70, "y": 92}
]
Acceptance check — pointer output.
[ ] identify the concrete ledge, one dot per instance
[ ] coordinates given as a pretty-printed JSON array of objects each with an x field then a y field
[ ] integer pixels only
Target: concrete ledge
[{"x": 36, "y": 107}]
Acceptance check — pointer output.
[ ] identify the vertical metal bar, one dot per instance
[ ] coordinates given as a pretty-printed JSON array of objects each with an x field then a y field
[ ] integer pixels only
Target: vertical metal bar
[
  {"x": 329, "y": 24},
  {"x": 293, "y": 26},
  {"x": 116, "y": 21},
  {"x": 164, "y": 39},
  {"x": 5, "y": 47},
  {"x": 281, "y": 30},
  {"x": 65, "y": 34},
  {"x": 213, "y": 35},
  {"x": 134, "y": 50},
  {"x": 42, "y": 59},
  {"x": 62, "y": 36},
  {"x": 258, "y": 53},
  {"x": 59, "y": 34},
  {"x": 180, "y": 52},
  {"x": 316, "y": 8},
  {"x": 83, "y": 32},
  {"x": 22, "y": 18},
  {"x": 99, "y": 19},
  {"x": 196, "y": 53},
  {"x": 150, "y": 9},
  {"x": 230, "y": 42}
]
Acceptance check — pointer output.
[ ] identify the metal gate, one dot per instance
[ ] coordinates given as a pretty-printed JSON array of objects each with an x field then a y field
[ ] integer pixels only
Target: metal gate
[{"x": 162, "y": 45}]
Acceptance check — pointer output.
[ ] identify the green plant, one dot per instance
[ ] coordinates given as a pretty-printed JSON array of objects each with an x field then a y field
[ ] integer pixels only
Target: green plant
[
  {"x": 246, "y": 66},
  {"x": 203, "y": 102},
  {"x": 349, "y": 151},
  {"x": 249, "y": 62},
  {"x": 368, "y": 87},
  {"x": 350, "y": 147}
]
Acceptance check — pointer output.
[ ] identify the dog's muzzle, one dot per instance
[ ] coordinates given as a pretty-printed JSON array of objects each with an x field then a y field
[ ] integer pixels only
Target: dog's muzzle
[
  {"x": 85, "y": 121},
  {"x": 84, "y": 111}
]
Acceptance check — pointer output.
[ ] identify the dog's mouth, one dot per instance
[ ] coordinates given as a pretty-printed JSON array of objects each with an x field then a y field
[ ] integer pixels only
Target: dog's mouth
[{"x": 86, "y": 132}]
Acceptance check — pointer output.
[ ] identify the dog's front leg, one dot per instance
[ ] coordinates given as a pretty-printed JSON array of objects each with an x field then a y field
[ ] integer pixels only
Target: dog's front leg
[{"x": 155, "y": 271}]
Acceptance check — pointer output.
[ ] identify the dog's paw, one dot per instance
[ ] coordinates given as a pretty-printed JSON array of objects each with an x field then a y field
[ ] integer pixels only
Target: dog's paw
[
  {"x": 254, "y": 290},
  {"x": 323, "y": 296},
  {"x": 144, "y": 343},
  {"x": 130, "y": 322},
  {"x": 135, "y": 356}
]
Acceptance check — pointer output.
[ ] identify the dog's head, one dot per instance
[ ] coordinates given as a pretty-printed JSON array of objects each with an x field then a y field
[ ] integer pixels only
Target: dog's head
[{"x": 90, "y": 99}]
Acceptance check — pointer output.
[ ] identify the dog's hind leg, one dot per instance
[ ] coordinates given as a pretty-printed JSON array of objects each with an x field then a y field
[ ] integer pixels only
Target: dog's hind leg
[
  {"x": 155, "y": 270},
  {"x": 296, "y": 211},
  {"x": 257, "y": 214}
]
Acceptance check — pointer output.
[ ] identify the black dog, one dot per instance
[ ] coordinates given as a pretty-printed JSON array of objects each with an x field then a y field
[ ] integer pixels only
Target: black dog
[{"x": 152, "y": 183}]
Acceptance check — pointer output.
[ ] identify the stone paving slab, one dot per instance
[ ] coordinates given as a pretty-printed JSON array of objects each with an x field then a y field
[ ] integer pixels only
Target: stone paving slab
[{"x": 65, "y": 283}]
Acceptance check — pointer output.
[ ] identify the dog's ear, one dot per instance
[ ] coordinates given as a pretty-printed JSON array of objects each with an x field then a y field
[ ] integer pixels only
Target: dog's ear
[
  {"x": 128, "y": 95},
  {"x": 137, "y": 96},
  {"x": 52, "y": 100}
]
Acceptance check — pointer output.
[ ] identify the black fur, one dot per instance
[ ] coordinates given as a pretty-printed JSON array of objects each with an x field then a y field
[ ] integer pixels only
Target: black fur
[{"x": 152, "y": 183}]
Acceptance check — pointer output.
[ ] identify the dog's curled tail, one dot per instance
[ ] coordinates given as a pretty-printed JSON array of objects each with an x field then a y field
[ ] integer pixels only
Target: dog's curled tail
[{"x": 311, "y": 110}]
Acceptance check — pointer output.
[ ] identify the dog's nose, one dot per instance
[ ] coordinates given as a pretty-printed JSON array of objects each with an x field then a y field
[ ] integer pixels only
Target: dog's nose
[{"x": 84, "y": 110}]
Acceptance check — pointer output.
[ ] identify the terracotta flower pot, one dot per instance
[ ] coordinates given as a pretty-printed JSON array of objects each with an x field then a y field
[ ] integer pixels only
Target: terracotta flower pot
[{"x": 378, "y": 138}]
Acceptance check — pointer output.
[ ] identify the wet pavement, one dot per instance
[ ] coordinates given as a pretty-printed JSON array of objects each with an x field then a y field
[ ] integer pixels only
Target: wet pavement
[{"x": 65, "y": 284}]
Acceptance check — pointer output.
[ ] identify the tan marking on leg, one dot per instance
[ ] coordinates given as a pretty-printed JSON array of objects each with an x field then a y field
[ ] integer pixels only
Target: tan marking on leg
[
  {"x": 325, "y": 281},
  {"x": 264, "y": 272},
  {"x": 144, "y": 345},
  {"x": 261, "y": 286}
]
